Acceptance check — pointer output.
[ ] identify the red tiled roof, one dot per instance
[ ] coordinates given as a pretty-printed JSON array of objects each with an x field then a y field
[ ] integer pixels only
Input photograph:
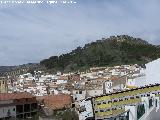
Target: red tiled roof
[
  {"x": 57, "y": 101},
  {"x": 74, "y": 77},
  {"x": 63, "y": 77},
  {"x": 12, "y": 96},
  {"x": 101, "y": 79},
  {"x": 114, "y": 78}
]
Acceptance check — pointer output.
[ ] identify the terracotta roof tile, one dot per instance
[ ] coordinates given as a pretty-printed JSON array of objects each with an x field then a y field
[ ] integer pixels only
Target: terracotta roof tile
[
  {"x": 63, "y": 77},
  {"x": 12, "y": 96},
  {"x": 114, "y": 78},
  {"x": 57, "y": 101}
]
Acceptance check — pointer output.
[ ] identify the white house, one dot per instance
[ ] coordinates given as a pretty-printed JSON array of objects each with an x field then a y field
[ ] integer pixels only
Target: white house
[
  {"x": 108, "y": 86},
  {"x": 79, "y": 94},
  {"x": 85, "y": 109}
]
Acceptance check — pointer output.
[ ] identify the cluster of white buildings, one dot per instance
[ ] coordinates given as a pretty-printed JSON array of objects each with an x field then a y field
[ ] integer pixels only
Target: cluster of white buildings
[
  {"x": 38, "y": 84},
  {"x": 94, "y": 82},
  {"x": 84, "y": 85}
]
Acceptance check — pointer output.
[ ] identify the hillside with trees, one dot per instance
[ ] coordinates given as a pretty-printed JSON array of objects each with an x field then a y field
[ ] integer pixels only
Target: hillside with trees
[{"x": 111, "y": 51}]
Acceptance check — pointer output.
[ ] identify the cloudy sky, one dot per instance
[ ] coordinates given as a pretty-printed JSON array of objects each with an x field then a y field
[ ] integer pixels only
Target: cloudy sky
[{"x": 30, "y": 33}]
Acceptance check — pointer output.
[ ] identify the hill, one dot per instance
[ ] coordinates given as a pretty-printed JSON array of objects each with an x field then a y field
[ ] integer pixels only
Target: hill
[
  {"x": 19, "y": 68},
  {"x": 115, "y": 50}
]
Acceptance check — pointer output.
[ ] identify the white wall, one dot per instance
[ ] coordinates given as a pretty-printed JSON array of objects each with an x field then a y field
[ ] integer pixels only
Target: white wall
[
  {"x": 132, "y": 112},
  {"x": 78, "y": 96},
  {"x": 108, "y": 87},
  {"x": 93, "y": 93},
  {"x": 153, "y": 72},
  {"x": 140, "y": 81},
  {"x": 88, "y": 112},
  {"x": 61, "y": 81},
  {"x": 4, "y": 111}
]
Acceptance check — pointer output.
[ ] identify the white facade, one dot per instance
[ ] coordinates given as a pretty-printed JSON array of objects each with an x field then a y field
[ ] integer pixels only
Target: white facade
[
  {"x": 85, "y": 109},
  {"x": 115, "y": 72},
  {"x": 152, "y": 74},
  {"x": 108, "y": 87},
  {"x": 95, "y": 92},
  {"x": 79, "y": 94},
  {"x": 148, "y": 109},
  {"x": 66, "y": 92},
  {"x": 132, "y": 112},
  {"x": 61, "y": 82},
  {"x": 6, "y": 111}
]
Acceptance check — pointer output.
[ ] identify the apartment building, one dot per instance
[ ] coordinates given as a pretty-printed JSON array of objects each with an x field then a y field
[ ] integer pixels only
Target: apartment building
[
  {"x": 17, "y": 105},
  {"x": 124, "y": 104}
]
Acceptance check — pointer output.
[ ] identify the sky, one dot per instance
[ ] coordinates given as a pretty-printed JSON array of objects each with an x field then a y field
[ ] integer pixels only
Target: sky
[{"x": 32, "y": 32}]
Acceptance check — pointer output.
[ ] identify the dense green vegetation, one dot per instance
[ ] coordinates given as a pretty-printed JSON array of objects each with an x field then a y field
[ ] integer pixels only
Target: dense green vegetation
[{"x": 106, "y": 52}]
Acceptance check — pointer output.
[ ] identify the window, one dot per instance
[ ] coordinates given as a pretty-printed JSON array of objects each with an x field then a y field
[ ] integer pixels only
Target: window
[
  {"x": 98, "y": 103},
  {"x": 156, "y": 103},
  {"x": 104, "y": 102},
  {"x": 8, "y": 113},
  {"x": 107, "y": 110},
  {"x": 80, "y": 92},
  {"x": 150, "y": 103},
  {"x": 148, "y": 95},
  {"x": 13, "y": 109},
  {"x": 73, "y": 105},
  {"x": 101, "y": 110},
  {"x": 115, "y": 101},
  {"x": 3, "y": 82},
  {"x": 140, "y": 111},
  {"x": 82, "y": 109}
]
